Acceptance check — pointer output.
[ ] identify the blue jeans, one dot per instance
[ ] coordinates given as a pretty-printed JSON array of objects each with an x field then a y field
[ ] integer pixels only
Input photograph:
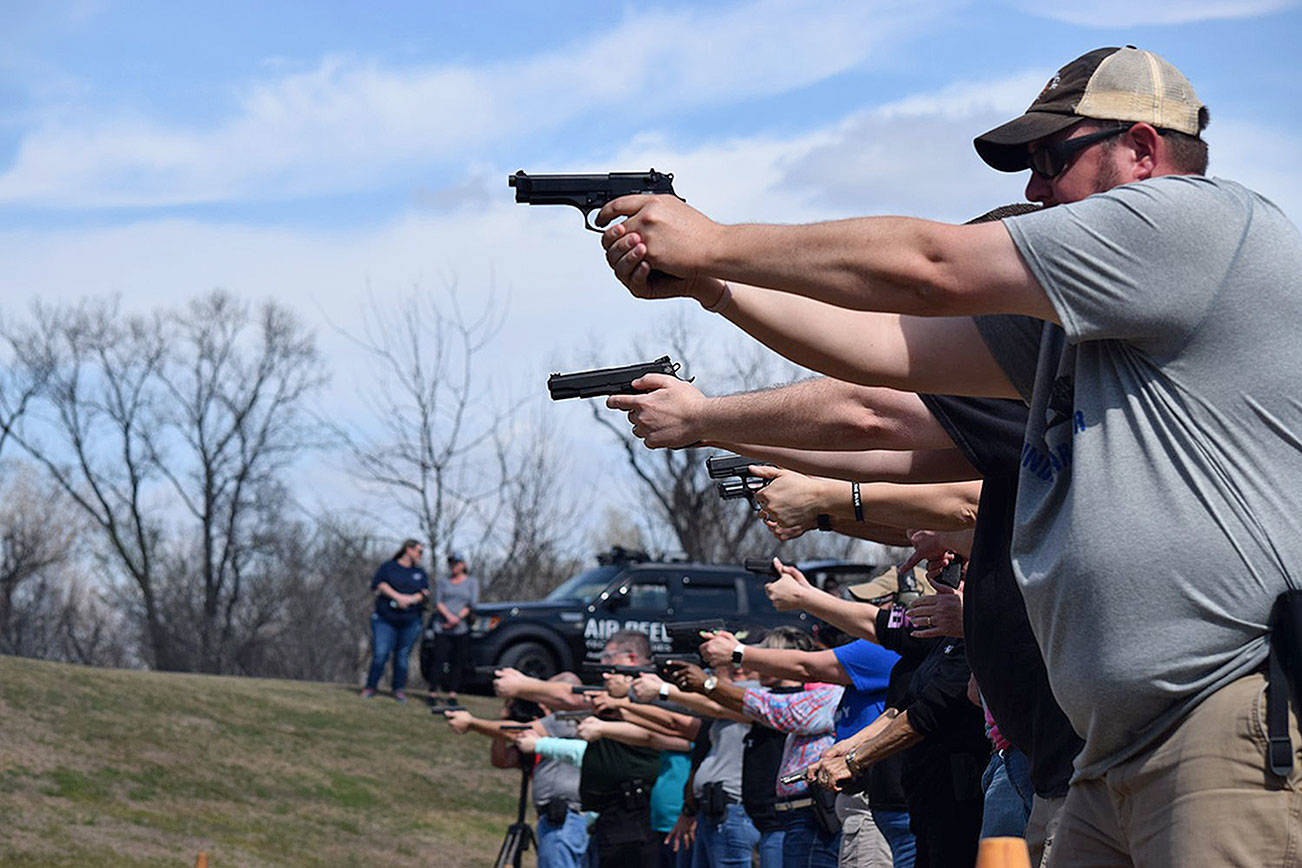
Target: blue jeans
[
  {"x": 805, "y": 845},
  {"x": 726, "y": 842},
  {"x": 770, "y": 848},
  {"x": 564, "y": 846},
  {"x": 894, "y": 826},
  {"x": 1008, "y": 789},
  {"x": 386, "y": 637}
]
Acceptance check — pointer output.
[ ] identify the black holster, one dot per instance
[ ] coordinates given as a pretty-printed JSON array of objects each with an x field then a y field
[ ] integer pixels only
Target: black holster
[
  {"x": 555, "y": 811},
  {"x": 1285, "y": 677},
  {"x": 714, "y": 801},
  {"x": 825, "y": 810}
]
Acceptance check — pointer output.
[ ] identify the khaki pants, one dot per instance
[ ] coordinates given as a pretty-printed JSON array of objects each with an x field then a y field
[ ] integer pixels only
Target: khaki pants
[
  {"x": 1201, "y": 797},
  {"x": 862, "y": 843}
]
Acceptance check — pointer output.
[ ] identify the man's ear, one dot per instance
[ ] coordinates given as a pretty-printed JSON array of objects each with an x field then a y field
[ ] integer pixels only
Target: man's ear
[{"x": 1146, "y": 147}]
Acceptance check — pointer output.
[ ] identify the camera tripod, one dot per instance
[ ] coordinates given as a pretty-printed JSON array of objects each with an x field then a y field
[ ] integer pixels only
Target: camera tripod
[{"x": 519, "y": 835}]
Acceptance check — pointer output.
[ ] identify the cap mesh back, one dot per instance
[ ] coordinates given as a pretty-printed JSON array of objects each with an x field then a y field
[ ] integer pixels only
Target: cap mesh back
[{"x": 1138, "y": 86}]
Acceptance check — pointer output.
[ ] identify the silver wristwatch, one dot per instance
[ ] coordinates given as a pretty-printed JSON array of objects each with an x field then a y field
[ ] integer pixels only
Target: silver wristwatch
[{"x": 711, "y": 682}]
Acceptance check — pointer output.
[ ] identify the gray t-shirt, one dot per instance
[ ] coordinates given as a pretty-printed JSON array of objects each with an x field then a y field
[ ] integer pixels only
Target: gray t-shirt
[
  {"x": 723, "y": 761},
  {"x": 553, "y": 778},
  {"x": 454, "y": 598},
  {"x": 1159, "y": 508}
]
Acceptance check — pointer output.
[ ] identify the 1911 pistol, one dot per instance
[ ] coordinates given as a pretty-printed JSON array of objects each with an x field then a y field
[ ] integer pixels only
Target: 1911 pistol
[
  {"x": 588, "y": 193},
  {"x": 607, "y": 381}
]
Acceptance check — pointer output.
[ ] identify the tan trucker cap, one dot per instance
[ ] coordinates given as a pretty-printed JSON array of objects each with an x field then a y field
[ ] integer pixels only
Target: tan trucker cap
[
  {"x": 1111, "y": 84},
  {"x": 886, "y": 584}
]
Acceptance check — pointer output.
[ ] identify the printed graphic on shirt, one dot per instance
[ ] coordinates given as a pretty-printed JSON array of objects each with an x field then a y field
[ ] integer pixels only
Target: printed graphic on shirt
[{"x": 1047, "y": 451}]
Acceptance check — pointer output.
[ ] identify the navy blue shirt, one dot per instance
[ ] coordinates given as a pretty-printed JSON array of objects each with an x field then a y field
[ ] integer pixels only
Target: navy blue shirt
[{"x": 404, "y": 580}]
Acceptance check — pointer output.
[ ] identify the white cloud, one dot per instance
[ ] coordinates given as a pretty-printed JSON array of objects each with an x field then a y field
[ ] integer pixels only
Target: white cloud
[
  {"x": 1126, "y": 13},
  {"x": 352, "y": 122}
]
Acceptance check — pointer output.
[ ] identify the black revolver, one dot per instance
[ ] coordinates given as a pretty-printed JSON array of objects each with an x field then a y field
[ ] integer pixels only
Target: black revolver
[
  {"x": 588, "y": 193},
  {"x": 607, "y": 381}
]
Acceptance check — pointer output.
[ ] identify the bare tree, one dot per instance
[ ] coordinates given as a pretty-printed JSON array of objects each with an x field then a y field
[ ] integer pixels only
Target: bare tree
[
  {"x": 37, "y": 531},
  {"x": 687, "y": 505},
  {"x": 532, "y": 547},
  {"x": 705, "y": 527},
  {"x": 314, "y": 595},
  {"x": 233, "y": 384},
  {"x": 165, "y": 428},
  {"x": 424, "y": 452}
]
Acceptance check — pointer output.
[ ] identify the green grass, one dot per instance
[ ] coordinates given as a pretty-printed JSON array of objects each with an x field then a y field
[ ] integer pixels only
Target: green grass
[{"x": 143, "y": 768}]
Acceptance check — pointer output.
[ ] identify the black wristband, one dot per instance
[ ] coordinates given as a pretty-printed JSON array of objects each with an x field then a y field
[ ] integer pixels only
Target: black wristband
[
  {"x": 858, "y": 503},
  {"x": 824, "y": 521}
]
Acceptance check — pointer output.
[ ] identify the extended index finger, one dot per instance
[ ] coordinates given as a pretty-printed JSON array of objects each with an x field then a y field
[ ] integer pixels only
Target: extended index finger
[{"x": 624, "y": 206}]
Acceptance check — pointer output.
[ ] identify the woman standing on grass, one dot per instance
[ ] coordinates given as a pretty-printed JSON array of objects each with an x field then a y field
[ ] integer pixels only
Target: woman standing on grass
[
  {"x": 454, "y": 597},
  {"x": 401, "y": 589}
]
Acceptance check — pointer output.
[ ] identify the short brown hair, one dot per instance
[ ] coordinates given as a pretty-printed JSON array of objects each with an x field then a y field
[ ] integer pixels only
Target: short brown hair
[
  {"x": 790, "y": 637},
  {"x": 635, "y": 642}
]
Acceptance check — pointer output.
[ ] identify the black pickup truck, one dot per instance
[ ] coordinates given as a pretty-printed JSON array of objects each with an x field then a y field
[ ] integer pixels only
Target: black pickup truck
[{"x": 629, "y": 590}]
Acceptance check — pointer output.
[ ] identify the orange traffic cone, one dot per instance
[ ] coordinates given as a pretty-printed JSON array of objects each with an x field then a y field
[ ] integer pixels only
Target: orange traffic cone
[{"x": 1003, "y": 853}]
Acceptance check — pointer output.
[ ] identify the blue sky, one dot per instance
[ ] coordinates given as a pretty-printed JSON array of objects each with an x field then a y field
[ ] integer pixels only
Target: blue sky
[{"x": 337, "y": 154}]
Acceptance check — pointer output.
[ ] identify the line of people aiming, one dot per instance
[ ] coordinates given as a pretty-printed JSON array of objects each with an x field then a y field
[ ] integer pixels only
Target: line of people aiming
[{"x": 1093, "y": 402}]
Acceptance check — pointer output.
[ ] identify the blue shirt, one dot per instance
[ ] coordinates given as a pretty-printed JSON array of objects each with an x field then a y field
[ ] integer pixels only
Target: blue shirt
[
  {"x": 667, "y": 794},
  {"x": 869, "y": 667},
  {"x": 404, "y": 580}
]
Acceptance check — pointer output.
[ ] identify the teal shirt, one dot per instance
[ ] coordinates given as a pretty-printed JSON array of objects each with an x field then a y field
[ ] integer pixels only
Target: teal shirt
[{"x": 667, "y": 794}]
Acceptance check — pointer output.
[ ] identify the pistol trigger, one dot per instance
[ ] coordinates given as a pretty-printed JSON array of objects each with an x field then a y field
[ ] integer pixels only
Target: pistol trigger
[{"x": 589, "y": 220}]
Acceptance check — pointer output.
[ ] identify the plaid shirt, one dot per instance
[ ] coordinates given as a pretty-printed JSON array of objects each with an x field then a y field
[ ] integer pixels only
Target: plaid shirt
[{"x": 808, "y": 718}]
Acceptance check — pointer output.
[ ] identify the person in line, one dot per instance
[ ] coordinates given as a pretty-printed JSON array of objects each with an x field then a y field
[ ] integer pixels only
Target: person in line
[
  {"x": 934, "y": 725},
  {"x": 455, "y": 597},
  {"x": 616, "y": 778},
  {"x": 401, "y": 588},
  {"x": 1158, "y": 286},
  {"x": 562, "y": 827},
  {"x": 677, "y": 734}
]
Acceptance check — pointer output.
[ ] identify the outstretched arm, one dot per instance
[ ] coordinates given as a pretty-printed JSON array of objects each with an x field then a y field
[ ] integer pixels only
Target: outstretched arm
[
  {"x": 511, "y": 683},
  {"x": 787, "y": 663},
  {"x": 883, "y": 264},
  {"x": 821, "y": 413},
  {"x": 791, "y": 503},
  {"x": 892, "y": 264},
  {"x": 876, "y": 465}
]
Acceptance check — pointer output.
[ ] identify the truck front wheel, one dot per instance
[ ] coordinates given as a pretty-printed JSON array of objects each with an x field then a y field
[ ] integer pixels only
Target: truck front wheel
[{"x": 532, "y": 658}]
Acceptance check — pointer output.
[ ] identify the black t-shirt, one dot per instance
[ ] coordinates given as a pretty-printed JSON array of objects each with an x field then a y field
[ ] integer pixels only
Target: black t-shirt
[
  {"x": 1001, "y": 648},
  {"x": 947, "y": 764},
  {"x": 760, "y": 759},
  {"x": 885, "y": 785},
  {"x": 607, "y": 764}
]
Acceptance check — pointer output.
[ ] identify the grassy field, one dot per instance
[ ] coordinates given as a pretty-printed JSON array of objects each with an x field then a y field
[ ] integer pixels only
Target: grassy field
[{"x": 143, "y": 768}]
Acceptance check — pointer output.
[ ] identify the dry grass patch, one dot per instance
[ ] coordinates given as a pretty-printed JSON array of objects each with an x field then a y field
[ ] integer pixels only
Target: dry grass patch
[{"x": 144, "y": 768}]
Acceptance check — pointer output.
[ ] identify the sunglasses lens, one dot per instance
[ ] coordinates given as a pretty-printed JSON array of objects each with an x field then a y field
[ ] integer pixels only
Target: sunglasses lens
[{"x": 1043, "y": 163}]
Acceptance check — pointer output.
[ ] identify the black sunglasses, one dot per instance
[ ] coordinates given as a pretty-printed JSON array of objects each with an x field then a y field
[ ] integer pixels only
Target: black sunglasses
[{"x": 1050, "y": 161}]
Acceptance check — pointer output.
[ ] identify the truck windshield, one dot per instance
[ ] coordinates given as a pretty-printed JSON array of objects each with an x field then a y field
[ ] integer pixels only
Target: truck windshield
[{"x": 585, "y": 585}]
